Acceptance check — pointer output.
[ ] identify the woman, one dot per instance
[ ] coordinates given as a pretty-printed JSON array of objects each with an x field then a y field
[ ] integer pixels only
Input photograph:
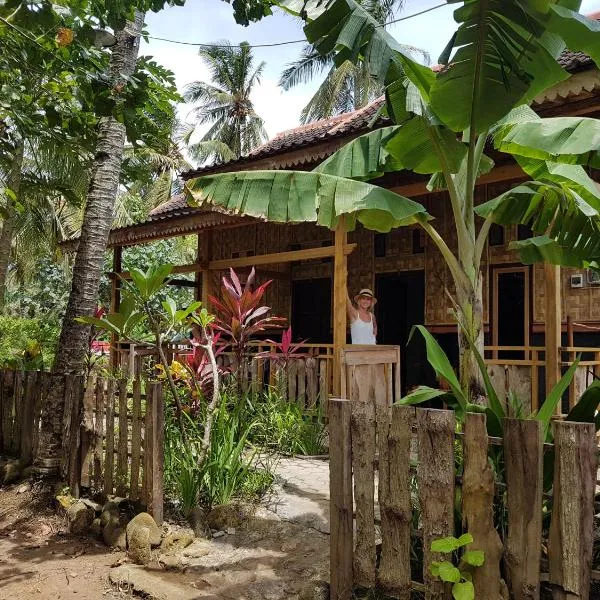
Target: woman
[{"x": 363, "y": 326}]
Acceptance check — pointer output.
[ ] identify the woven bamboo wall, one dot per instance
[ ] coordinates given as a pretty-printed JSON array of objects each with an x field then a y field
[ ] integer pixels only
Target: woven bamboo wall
[{"x": 582, "y": 305}]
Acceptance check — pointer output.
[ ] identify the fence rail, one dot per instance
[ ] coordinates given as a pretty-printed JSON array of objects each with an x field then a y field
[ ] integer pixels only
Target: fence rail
[{"x": 434, "y": 447}]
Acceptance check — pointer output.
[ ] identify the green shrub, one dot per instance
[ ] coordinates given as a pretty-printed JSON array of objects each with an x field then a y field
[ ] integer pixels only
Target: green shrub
[
  {"x": 27, "y": 343},
  {"x": 283, "y": 427}
]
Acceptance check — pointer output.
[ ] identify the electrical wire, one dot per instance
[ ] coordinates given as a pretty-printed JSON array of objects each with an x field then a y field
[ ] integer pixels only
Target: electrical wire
[{"x": 289, "y": 42}]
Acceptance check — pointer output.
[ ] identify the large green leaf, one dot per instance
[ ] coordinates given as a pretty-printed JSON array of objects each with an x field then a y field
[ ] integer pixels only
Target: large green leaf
[
  {"x": 500, "y": 55},
  {"x": 585, "y": 409},
  {"x": 542, "y": 249},
  {"x": 351, "y": 33},
  {"x": 441, "y": 364},
  {"x": 579, "y": 32},
  {"x": 364, "y": 158},
  {"x": 574, "y": 140},
  {"x": 548, "y": 408},
  {"x": 419, "y": 144},
  {"x": 422, "y": 394},
  {"x": 298, "y": 196}
]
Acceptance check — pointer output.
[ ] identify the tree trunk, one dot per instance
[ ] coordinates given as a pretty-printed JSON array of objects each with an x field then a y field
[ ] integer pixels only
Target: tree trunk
[
  {"x": 13, "y": 183},
  {"x": 87, "y": 270}
]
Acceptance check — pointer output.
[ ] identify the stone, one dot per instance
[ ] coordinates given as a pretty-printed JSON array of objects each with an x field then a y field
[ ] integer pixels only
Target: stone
[
  {"x": 109, "y": 511},
  {"x": 177, "y": 540},
  {"x": 198, "y": 522},
  {"x": 315, "y": 590},
  {"x": 95, "y": 506},
  {"x": 145, "y": 520},
  {"x": 171, "y": 562},
  {"x": 138, "y": 547},
  {"x": 218, "y": 534},
  {"x": 151, "y": 585},
  {"x": 197, "y": 549},
  {"x": 114, "y": 531},
  {"x": 230, "y": 531},
  {"x": 12, "y": 472},
  {"x": 224, "y": 516},
  {"x": 24, "y": 488},
  {"x": 64, "y": 501},
  {"x": 80, "y": 517},
  {"x": 96, "y": 528}
]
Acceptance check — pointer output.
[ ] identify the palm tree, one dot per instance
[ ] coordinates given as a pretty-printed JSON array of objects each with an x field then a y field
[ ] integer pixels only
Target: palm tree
[
  {"x": 225, "y": 104},
  {"x": 346, "y": 87}
]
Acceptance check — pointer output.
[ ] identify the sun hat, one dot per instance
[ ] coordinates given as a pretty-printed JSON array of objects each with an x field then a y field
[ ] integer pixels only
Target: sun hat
[{"x": 365, "y": 292}]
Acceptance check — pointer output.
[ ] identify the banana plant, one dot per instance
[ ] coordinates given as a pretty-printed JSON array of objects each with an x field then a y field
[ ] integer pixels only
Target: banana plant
[{"x": 502, "y": 55}]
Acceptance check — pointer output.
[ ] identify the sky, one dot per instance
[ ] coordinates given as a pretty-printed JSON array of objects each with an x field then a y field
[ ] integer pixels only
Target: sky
[{"x": 209, "y": 21}]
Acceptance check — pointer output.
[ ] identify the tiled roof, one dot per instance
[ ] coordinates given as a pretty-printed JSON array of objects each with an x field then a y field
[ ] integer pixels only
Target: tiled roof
[{"x": 334, "y": 127}]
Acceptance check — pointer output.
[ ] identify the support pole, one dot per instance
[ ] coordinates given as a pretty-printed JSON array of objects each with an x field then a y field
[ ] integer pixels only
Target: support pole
[
  {"x": 115, "y": 301},
  {"x": 207, "y": 243},
  {"x": 340, "y": 295},
  {"x": 553, "y": 326}
]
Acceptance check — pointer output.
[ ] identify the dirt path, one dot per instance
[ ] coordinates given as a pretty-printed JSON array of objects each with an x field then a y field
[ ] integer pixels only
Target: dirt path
[
  {"x": 38, "y": 559},
  {"x": 274, "y": 557}
]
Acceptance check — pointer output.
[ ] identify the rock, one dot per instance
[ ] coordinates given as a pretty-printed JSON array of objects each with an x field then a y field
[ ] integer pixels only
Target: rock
[
  {"x": 171, "y": 562},
  {"x": 139, "y": 545},
  {"x": 228, "y": 515},
  {"x": 97, "y": 508},
  {"x": 109, "y": 511},
  {"x": 114, "y": 531},
  {"x": 197, "y": 549},
  {"x": 80, "y": 517},
  {"x": 315, "y": 590},
  {"x": 230, "y": 531},
  {"x": 177, "y": 540},
  {"x": 65, "y": 501},
  {"x": 96, "y": 528},
  {"x": 218, "y": 534},
  {"x": 24, "y": 488},
  {"x": 12, "y": 472},
  {"x": 151, "y": 584},
  {"x": 198, "y": 521},
  {"x": 145, "y": 520}
]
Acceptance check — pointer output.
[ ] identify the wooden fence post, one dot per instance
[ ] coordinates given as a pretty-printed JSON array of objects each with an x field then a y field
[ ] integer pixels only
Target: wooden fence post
[
  {"x": 396, "y": 506},
  {"x": 340, "y": 489},
  {"x": 122, "y": 461},
  {"x": 154, "y": 451},
  {"x": 27, "y": 427},
  {"x": 435, "y": 475},
  {"x": 72, "y": 436},
  {"x": 363, "y": 465},
  {"x": 87, "y": 432},
  {"x": 571, "y": 536},
  {"x": 109, "y": 458},
  {"x": 7, "y": 408},
  {"x": 136, "y": 440},
  {"x": 99, "y": 432},
  {"x": 478, "y": 509},
  {"x": 524, "y": 459}
]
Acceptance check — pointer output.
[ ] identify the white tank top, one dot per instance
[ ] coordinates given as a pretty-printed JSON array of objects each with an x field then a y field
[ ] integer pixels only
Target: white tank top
[{"x": 361, "y": 331}]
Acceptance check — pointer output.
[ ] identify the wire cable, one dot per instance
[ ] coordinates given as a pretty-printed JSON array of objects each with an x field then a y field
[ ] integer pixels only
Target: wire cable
[{"x": 289, "y": 42}]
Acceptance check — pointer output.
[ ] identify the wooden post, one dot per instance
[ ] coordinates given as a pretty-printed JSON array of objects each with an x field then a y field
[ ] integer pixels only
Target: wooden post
[
  {"x": 340, "y": 295},
  {"x": 524, "y": 458},
  {"x": 478, "y": 509},
  {"x": 571, "y": 538},
  {"x": 553, "y": 325},
  {"x": 571, "y": 358},
  {"x": 32, "y": 384},
  {"x": 340, "y": 490},
  {"x": 156, "y": 457},
  {"x": 115, "y": 301},
  {"x": 207, "y": 239}
]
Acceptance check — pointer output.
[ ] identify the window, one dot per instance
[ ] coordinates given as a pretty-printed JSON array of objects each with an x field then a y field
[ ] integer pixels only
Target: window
[
  {"x": 496, "y": 236},
  {"x": 524, "y": 232},
  {"x": 418, "y": 247},
  {"x": 380, "y": 243}
]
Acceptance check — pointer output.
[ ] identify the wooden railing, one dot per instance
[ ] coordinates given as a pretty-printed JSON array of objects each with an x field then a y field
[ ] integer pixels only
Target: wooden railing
[{"x": 523, "y": 369}]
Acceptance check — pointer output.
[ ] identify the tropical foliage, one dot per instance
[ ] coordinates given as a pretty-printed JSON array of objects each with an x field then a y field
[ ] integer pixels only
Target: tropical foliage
[
  {"x": 501, "y": 57},
  {"x": 225, "y": 104},
  {"x": 347, "y": 86}
]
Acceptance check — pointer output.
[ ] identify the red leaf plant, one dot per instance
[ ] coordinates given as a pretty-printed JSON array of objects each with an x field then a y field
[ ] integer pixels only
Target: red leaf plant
[
  {"x": 239, "y": 315},
  {"x": 284, "y": 350}
]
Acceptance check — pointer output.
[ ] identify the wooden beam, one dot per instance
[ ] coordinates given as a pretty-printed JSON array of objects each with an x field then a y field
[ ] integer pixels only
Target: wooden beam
[
  {"x": 553, "y": 327},
  {"x": 115, "y": 301},
  {"x": 279, "y": 257},
  {"x": 198, "y": 276},
  {"x": 207, "y": 243},
  {"x": 340, "y": 295}
]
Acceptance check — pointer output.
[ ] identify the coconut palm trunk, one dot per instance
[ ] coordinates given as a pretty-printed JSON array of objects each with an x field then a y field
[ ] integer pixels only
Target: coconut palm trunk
[
  {"x": 87, "y": 270},
  {"x": 8, "y": 226}
]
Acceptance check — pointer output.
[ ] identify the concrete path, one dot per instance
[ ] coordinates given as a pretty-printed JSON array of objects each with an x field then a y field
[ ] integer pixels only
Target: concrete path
[{"x": 302, "y": 495}]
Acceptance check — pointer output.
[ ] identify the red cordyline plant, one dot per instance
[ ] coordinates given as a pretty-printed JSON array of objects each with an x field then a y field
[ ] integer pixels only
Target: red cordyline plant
[
  {"x": 239, "y": 315},
  {"x": 284, "y": 350}
]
